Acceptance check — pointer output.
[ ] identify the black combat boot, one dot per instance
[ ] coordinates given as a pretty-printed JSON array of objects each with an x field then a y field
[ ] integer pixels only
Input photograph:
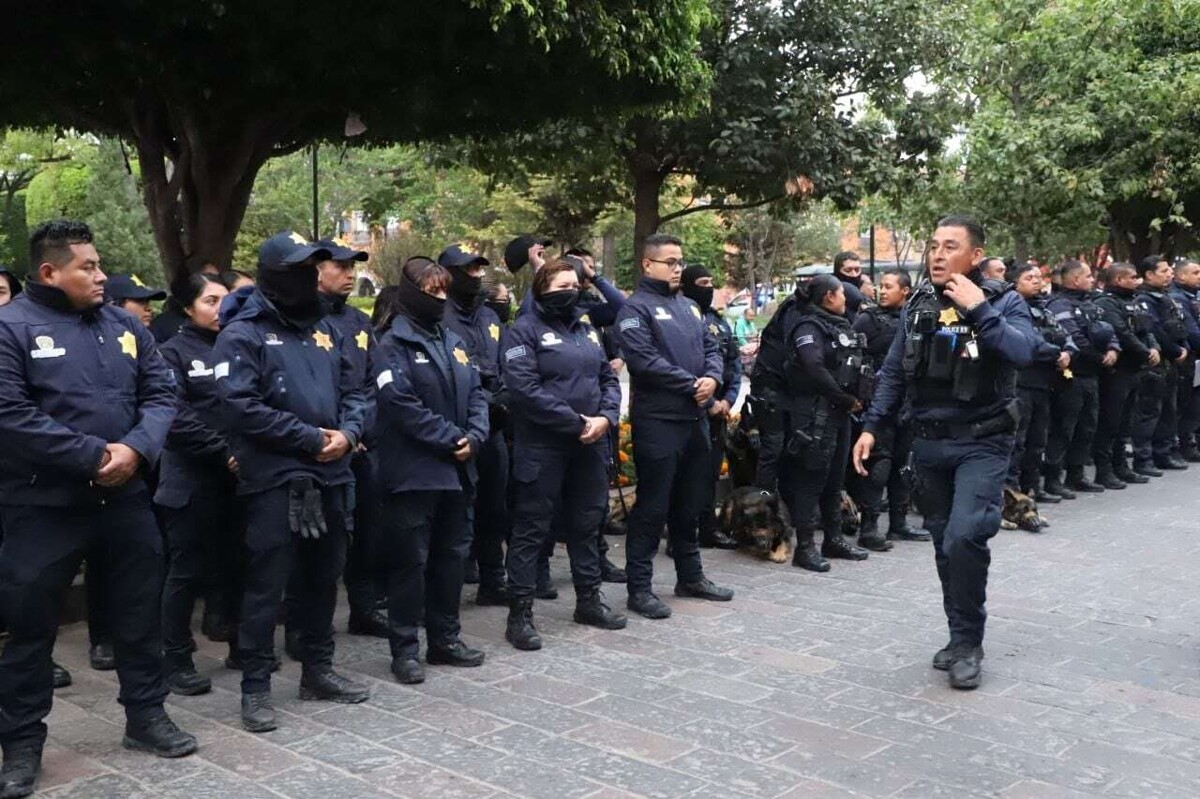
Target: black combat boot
[
  {"x": 62, "y": 677},
  {"x": 373, "y": 623},
  {"x": 1146, "y": 469},
  {"x": 807, "y": 555},
  {"x": 612, "y": 573},
  {"x": 836, "y": 546},
  {"x": 966, "y": 665},
  {"x": 1190, "y": 453},
  {"x": 153, "y": 731},
  {"x": 520, "y": 631},
  {"x": 183, "y": 680},
  {"x": 1077, "y": 481},
  {"x": 590, "y": 609},
  {"x": 1171, "y": 463},
  {"x": 869, "y": 536},
  {"x": 645, "y": 603},
  {"x": 325, "y": 684},
  {"x": 898, "y": 529},
  {"x": 1107, "y": 478},
  {"x": 1053, "y": 485},
  {"x": 258, "y": 715},
  {"x": 704, "y": 588},
  {"x": 1040, "y": 495},
  {"x": 22, "y": 765},
  {"x": 101, "y": 657},
  {"x": 1123, "y": 472}
]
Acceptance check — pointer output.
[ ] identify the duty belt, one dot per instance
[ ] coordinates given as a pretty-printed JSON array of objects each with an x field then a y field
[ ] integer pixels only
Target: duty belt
[{"x": 1000, "y": 423}]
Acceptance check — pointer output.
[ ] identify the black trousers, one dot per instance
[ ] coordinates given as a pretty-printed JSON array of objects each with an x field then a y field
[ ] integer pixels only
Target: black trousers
[
  {"x": 961, "y": 482},
  {"x": 492, "y": 525},
  {"x": 811, "y": 481},
  {"x": 573, "y": 476},
  {"x": 1075, "y": 410},
  {"x": 42, "y": 550},
  {"x": 1033, "y": 428},
  {"x": 1164, "y": 440},
  {"x": 708, "y": 489},
  {"x": 426, "y": 535},
  {"x": 1187, "y": 404},
  {"x": 203, "y": 559},
  {"x": 671, "y": 458},
  {"x": 893, "y": 445},
  {"x": 273, "y": 553},
  {"x": 1148, "y": 413},
  {"x": 1118, "y": 394},
  {"x": 366, "y": 582},
  {"x": 769, "y": 416}
]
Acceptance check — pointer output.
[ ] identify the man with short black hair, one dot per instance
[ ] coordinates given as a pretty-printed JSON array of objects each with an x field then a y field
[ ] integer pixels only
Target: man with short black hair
[
  {"x": 675, "y": 370},
  {"x": 847, "y": 267},
  {"x": 85, "y": 405},
  {"x": 1154, "y": 423}
]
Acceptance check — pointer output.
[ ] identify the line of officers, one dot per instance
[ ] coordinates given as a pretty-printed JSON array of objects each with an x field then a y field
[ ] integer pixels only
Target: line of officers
[
  {"x": 1113, "y": 374},
  {"x": 296, "y": 441}
]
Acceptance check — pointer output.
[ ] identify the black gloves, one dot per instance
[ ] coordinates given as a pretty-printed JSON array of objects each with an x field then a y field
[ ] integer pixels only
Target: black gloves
[{"x": 305, "y": 513}]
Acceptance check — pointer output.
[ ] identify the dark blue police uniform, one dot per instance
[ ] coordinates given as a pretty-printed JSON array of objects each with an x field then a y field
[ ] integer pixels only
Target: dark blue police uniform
[
  {"x": 1188, "y": 409},
  {"x": 1153, "y": 425},
  {"x": 728, "y": 390},
  {"x": 279, "y": 383},
  {"x": 1034, "y": 405},
  {"x": 556, "y": 373},
  {"x": 70, "y": 383},
  {"x": 1120, "y": 385},
  {"x": 197, "y": 495},
  {"x": 667, "y": 348},
  {"x": 957, "y": 368},
  {"x": 429, "y": 397}
]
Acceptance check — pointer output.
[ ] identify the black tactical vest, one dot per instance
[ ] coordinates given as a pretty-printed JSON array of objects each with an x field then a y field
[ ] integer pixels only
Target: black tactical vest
[{"x": 843, "y": 355}]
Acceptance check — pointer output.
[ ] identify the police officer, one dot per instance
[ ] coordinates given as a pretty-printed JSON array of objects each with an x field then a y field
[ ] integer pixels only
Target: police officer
[
  {"x": 1073, "y": 305},
  {"x": 565, "y": 398},
  {"x": 196, "y": 491},
  {"x": 365, "y": 584},
  {"x": 847, "y": 267},
  {"x": 1185, "y": 290},
  {"x": 824, "y": 386},
  {"x": 764, "y": 408},
  {"x": 129, "y": 293},
  {"x": 1051, "y": 363},
  {"x": 675, "y": 370},
  {"x": 1153, "y": 429},
  {"x": 893, "y": 445},
  {"x": 1120, "y": 383},
  {"x": 697, "y": 286},
  {"x": 85, "y": 405},
  {"x": 172, "y": 318},
  {"x": 293, "y": 410},
  {"x": 10, "y": 286},
  {"x": 432, "y": 422},
  {"x": 993, "y": 268},
  {"x": 963, "y": 340},
  {"x": 479, "y": 328}
]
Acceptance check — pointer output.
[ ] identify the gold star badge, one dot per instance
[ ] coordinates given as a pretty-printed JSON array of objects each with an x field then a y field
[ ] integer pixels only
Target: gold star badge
[
  {"x": 948, "y": 316},
  {"x": 128, "y": 344},
  {"x": 298, "y": 239},
  {"x": 461, "y": 356},
  {"x": 494, "y": 332},
  {"x": 361, "y": 340},
  {"x": 1068, "y": 374},
  {"x": 137, "y": 281},
  {"x": 587, "y": 320},
  {"x": 323, "y": 340}
]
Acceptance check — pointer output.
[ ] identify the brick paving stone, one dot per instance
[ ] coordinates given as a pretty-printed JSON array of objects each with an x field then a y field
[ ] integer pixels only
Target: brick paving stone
[{"x": 639, "y": 743}]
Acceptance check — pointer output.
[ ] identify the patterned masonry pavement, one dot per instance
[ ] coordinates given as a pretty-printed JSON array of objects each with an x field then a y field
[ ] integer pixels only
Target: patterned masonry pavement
[{"x": 804, "y": 686}]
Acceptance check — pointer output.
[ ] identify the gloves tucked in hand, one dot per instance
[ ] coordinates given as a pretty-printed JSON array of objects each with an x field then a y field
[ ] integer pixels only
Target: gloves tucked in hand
[{"x": 305, "y": 513}]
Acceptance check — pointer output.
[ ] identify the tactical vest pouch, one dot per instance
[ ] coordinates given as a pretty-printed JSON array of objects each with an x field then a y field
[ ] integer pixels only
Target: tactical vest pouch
[{"x": 942, "y": 355}]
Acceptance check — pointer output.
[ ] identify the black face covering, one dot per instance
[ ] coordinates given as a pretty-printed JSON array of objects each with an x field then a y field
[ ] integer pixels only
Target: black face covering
[
  {"x": 502, "y": 309},
  {"x": 293, "y": 292},
  {"x": 701, "y": 295},
  {"x": 424, "y": 309},
  {"x": 560, "y": 304},
  {"x": 465, "y": 289}
]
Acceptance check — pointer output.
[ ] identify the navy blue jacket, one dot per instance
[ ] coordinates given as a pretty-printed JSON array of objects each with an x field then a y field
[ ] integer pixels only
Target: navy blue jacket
[
  {"x": 357, "y": 342},
  {"x": 70, "y": 383},
  {"x": 194, "y": 460},
  {"x": 731, "y": 375},
  {"x": 667, "y": 348},
  {"x": 1084, "y": 322},
  {"x": 480, "y": 329},
  {"x": 1170, "y": 333},
  {"x": 1190, "y": 302},
  {"x": 1130, "y": 325},
  {"x": 1042, "y": 372},
  {"x": 556, "y": 373},
  {"x": 600, "y": 313},
  {"x": 1002, "y": 326},
  {"x": 278, "y": 385},
  {"x": 428, "y": 397}
]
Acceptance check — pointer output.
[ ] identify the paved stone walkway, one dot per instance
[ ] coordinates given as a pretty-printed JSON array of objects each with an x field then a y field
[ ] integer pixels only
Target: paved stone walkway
[{"x": 805, "y": 686}]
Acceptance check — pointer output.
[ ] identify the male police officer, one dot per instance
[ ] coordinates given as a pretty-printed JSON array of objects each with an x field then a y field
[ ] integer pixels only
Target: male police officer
[
  {"x": 847, "y": 267},
  {"x": 1186, "y": 292},
  {"x": 675, "y": 370},
  {"x": 85, "y": 404},
  {"x": 294, "y": 408},
  {"x": 1153, "y": 428},
  {"x": 955, "y": 361}
]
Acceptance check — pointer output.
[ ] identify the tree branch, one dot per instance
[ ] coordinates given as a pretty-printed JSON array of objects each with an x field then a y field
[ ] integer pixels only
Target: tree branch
[{"x": 694, "y": 209}]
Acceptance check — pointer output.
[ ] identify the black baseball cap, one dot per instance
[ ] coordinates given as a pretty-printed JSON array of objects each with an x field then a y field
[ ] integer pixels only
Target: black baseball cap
[
  {"x": 460, "y": 256},
  {"x": 516, "y": 254},
  {"x": 130, "y": 287},
  {"x": 289, "y": 248},
  {"x": 339, "y": 250}
]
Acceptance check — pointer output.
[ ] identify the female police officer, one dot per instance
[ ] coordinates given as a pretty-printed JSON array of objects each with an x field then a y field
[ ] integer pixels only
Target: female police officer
[
  {"x": 432, "y": 421},
  {"x": 196, "y": 487},
  {"x": 822, "y": 387},
  {"x": 564, "y": 398}
]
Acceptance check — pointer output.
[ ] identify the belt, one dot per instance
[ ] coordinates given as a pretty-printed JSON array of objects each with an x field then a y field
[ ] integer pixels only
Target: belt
[{"x": 1001, "y": 423}]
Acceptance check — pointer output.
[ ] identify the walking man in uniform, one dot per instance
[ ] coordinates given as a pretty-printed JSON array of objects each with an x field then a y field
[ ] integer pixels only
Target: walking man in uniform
[
  {"x": 85, "y": 405},
  {"x": 963, "y": 338}
]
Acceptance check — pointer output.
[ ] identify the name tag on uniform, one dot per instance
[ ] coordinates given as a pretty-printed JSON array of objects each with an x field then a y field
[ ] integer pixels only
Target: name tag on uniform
[
  {"x": 661, "y": 313},
  {"x": 384, "y": 378},
  {"x": 421, "y": 357},
  {"x": 272, "y": 340},
  {"x": 46, "y": 349},
  {"x": 199, "y": 370},
  {"x": 221, "y": 370}
]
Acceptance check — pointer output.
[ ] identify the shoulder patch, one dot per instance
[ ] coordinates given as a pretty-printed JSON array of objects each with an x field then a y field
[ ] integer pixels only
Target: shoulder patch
[
  {"x": 512, "y": 353},
  {"x": 631, "y": 322},
  {"x": 1065, "y": 315},
  {"x": 804, "y": 340}
]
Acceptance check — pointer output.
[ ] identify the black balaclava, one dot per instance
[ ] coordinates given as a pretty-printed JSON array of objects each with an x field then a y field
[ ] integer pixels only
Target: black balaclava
[
  {"x": 503, "y": 309},
  {"x": 423, "y": 309},
  {"x": 701, "y": 295},
  {"x": 465, "y": 289},
  {"x": 293, "y": 291},
  {"x": 560, "y": 304}
]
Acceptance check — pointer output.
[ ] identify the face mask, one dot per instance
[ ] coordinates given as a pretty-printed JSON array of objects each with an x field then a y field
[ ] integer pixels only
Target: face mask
[
  {"x": 701, "y": 295},
  {"x": 560, "y": 304},
  {"x": 464, "y": 288},
  {"x": 424, "y": 309},
  {"x": 293, "y": 291},
  {"x": 502, "y": 309}
]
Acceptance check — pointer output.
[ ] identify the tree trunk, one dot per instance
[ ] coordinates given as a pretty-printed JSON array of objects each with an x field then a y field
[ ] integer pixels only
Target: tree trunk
[
  {"x": 1020, "y": 248},
  {"x": 647, "y": 187},
  {"x": 608, "y": 254}
]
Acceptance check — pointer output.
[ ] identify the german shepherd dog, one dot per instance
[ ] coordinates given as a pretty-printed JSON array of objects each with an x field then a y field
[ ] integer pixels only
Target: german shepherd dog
[
  {"x": 758, "y": 522},
  {"x": 1020, "y": 512}
]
